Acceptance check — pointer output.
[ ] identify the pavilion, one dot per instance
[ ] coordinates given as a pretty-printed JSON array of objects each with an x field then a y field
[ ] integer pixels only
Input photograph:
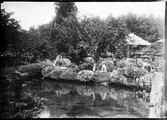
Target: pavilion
[{"x": 136, "y": 42}]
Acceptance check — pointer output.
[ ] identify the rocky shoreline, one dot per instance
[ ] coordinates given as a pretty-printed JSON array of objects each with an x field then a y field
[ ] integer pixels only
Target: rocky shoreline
[{"x": 126, "y": 72}]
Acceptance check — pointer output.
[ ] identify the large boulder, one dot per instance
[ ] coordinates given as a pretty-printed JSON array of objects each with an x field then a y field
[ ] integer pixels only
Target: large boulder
[
  {"x": 69, "y": 74},
  {"x": 46, "y": 71},
  {"x": 55, "y": 74},
  {"x": 108, "y": 63},
  {"x": 85, "y": 75},
  {"x": 63, "y": 62}
]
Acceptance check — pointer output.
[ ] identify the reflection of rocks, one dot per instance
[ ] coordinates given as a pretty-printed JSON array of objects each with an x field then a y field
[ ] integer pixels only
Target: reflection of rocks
[
  {"x": 46, "y": 87},
  {"x": 62, "y": 91},
  {"x": 102, "y": 91},
  {"x": 86, "y": 91},
  {"x": 65, "y": 97},
  {"x": 85, "y": 75}
]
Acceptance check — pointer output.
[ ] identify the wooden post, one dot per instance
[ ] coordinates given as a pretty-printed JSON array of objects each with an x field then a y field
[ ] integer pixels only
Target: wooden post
[{"x": 157, "y": 96}]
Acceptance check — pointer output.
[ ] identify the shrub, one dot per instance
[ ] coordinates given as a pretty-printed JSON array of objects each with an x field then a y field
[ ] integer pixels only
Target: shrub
[
  {"x": 85, "y": 75},
  {"x": 121, "y": 63},
  {"x": 109, "y": 65},
  {"x": 134, "y": 72},
  {"x": 86, "y": 66}
]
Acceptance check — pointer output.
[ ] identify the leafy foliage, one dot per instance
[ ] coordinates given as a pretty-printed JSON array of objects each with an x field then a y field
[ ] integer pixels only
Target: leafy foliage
[{"x": 10, "y": 29}]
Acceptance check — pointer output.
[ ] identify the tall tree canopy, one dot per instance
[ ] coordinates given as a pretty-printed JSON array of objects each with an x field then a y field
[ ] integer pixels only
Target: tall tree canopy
[
  {"x": 65, "y": 33},
  {"x": 10, "y": 31}
]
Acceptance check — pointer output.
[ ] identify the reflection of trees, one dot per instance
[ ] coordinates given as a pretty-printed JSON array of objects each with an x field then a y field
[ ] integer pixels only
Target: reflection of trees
[
  {"x": 86, "y": 90},
  {"x": 46, "y": 87},
  {"x": 102, "y": 91},
  {"x": 58, "y": 90},
  {"x": 62, "y": 91},
  {"x": 68, "y": 95}
]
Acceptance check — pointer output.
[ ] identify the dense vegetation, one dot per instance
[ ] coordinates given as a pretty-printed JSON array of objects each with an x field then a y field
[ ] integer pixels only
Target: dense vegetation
[{"x": 73, "y": 37}]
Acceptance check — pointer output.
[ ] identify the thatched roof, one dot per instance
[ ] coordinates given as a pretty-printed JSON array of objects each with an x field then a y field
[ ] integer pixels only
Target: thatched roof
[
  {"x": 133, "y": 39},
  {"x": 160, "y": 41}
]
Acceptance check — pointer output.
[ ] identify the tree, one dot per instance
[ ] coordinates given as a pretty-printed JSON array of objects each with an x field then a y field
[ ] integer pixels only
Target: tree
[
  {"x": 105, "y": 36},
  {"x": 66, "y": 32},
  {"x": 147, "y": 27},
  {"x": 10, "y": 29}
]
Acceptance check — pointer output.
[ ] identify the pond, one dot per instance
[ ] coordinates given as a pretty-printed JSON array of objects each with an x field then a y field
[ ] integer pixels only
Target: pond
[{"x": 70, "y": 99}]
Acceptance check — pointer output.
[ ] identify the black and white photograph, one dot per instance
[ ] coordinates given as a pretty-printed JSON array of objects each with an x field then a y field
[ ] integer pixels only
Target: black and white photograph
[{"x": 82, "y": 59}]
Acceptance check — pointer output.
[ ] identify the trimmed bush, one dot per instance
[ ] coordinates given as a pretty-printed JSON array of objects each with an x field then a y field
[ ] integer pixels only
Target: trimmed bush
[
  {"x": 145, "y": 81},
  {"x": 86, "y": 66},
  {"x": 85, "y": 75},
  {"x": 63, "y": 62},
  {"x": 46, "y": 71},
  {"x": 134, "y": 72},
  {"x": 109, "y": 65},
  {"x": 102, "y": 76},
  {"x": 121, "y": 63},
  {"x": 89, "y": 60},
  {"x": 55, "y": 74},
  {"x": 69, "y": 74}
]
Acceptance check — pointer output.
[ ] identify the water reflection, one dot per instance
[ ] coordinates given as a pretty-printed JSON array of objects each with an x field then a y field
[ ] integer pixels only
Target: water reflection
[{"x": 76, "y": 100}]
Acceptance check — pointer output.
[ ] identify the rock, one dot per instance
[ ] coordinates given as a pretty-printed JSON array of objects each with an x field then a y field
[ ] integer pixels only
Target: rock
[
  {"x": 63, "y": 62},
  {"x": 102, "y": 76},
  {"x": 85, "y": 75},
  {"x": 55, "y": 74},
  {"x": 46, "y": 71},
  {"x": 108, "y": 63},
  {"x": 69, "y": 74}
]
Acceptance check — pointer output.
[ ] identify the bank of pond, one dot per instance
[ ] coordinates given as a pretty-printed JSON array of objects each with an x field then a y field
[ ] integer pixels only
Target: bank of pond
[
  {"x": 61, "y": 88},
  {"x": 127, "y": 72}
]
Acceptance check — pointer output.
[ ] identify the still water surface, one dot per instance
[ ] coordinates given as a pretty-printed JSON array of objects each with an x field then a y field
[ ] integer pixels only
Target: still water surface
[{"x": 66, "y": 99}]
